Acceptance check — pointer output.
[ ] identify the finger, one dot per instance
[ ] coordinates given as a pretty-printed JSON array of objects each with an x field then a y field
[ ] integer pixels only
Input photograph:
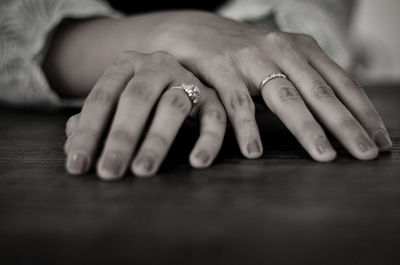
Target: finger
[
  {"x": 172, "y": 110},
  {"x": 353, "y": 97},
  {"x": 328, "y": 108},
  {"x": 212, "y": 130},
  {"x": 72, "y": 123},
  {"x": 240, "y": 109},
  {"x": 96, "y": 112},
  {"x": 134, "y": 107},
  {"x": 285, "y": 101}
]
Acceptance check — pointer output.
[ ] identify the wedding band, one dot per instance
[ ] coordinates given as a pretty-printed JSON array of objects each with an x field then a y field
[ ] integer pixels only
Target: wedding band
[
  {"x": 269, "y": 78},
  {"x": 192, "y": 91}
]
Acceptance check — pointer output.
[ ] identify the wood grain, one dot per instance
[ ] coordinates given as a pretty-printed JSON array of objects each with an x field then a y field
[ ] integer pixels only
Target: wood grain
[{"x": 281, "y": 209}]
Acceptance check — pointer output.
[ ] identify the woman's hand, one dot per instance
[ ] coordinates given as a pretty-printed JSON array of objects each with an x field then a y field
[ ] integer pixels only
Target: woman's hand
[
  {"x": 234, "y": 58},
  {"x": 125, "y": 96}
]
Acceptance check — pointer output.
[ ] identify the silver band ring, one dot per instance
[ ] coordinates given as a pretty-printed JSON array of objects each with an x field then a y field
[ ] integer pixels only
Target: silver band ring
[
  {"x": 192, "y": 91},
  {"x": 269, "y": 78}
]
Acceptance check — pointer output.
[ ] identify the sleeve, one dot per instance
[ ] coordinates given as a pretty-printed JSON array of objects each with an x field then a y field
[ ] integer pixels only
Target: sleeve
[
  {"x": 26, "y": 28},
  {"x": 326, "y": 20}
]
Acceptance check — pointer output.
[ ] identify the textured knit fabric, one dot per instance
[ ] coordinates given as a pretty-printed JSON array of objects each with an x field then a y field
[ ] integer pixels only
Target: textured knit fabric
[{"x": 26, "y": 27}]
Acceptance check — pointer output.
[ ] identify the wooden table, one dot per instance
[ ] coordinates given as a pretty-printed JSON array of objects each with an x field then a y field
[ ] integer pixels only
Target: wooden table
[{"x": 281, "y": 209}]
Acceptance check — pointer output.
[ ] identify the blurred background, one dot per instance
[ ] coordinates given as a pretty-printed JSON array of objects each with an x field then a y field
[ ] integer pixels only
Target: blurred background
[{"x": 375, "y": 31}]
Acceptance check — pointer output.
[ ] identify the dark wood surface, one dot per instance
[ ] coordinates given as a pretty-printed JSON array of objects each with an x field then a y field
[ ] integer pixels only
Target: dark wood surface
[{"x": 281, "y": 209}]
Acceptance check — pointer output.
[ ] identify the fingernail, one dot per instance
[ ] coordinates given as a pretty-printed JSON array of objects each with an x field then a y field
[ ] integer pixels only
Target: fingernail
[
  {"x": 146, "y": 163},
  {"x": 364, "y": 144},
  {"x": 202, "y": 156},
  {"x": 253, "y": 147},
  {"x": 78, "y": 163},
  {"x": 112, "y": 163},
  {"x": 323, "y": 145},
  {"x": 383, "y": 141}
]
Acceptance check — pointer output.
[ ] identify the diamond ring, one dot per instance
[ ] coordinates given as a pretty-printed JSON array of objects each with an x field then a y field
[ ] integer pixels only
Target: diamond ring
[{"x": 192, "y": 91}]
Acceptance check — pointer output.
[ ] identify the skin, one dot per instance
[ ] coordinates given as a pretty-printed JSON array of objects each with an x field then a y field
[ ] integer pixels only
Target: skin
[
  {"x": 130, "y": 87},
  {"x": 232, "y": 58}
]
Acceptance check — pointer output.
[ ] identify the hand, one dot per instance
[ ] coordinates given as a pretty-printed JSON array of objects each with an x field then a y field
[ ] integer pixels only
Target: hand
[
  {"x": 125, "y": 95},
  {"x": 233, "y": 58}
]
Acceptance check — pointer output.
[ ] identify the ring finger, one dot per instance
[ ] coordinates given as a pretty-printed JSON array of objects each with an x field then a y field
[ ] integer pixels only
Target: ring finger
[{"x": 284, "y": 100}]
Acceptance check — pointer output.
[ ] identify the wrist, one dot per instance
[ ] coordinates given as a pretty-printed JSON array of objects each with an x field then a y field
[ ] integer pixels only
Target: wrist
[
  {"x": 81, "y": 49},
  {"x": 76, "y": 55}
]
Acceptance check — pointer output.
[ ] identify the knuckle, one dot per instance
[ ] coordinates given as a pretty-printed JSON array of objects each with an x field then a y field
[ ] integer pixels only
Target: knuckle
[
  {"x": 241, "y": 99},
  {"x": 71, "y": 124},
  {"x": 147, "y": 72},
  {"x": 372, "y": 117},
  {"x": 112, "y": 75},
  {"x": 139, "y": 90},
  {"x": 371, "y": 120},
  {"x": 84, "y": 139},
  {"x": 246, "y": 123},
  {"x": 158, "y": 139},
  {"x": 353, "y": 85},
  {"x": 125, "y": 58},
  {"x": 122, "y": 135},
  {"x": 220, "y": 61},
  {"x": 278, "y": 37},
  {"x": 217, "y": 116},
  {"x": 70, "y": 120},
  {"x": 350, "y": 125},
  {"x": 288, "y": 94},
  {"x": 282, "y": 42},
  {"x": 69, "y": 131},
  {"x": 162, "y": 56},
  {"x": 212, "y": 134},
  {"x": 284, "y": 46},
  {"x": 98, "y": 96},
  {"x": 178, "y": 101},
  {"x": 248, "y": 51},
  {"x": 154, "y": 72},
  {"x": 322, "y": 91},
  {"x": 86, "y": 132}
]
